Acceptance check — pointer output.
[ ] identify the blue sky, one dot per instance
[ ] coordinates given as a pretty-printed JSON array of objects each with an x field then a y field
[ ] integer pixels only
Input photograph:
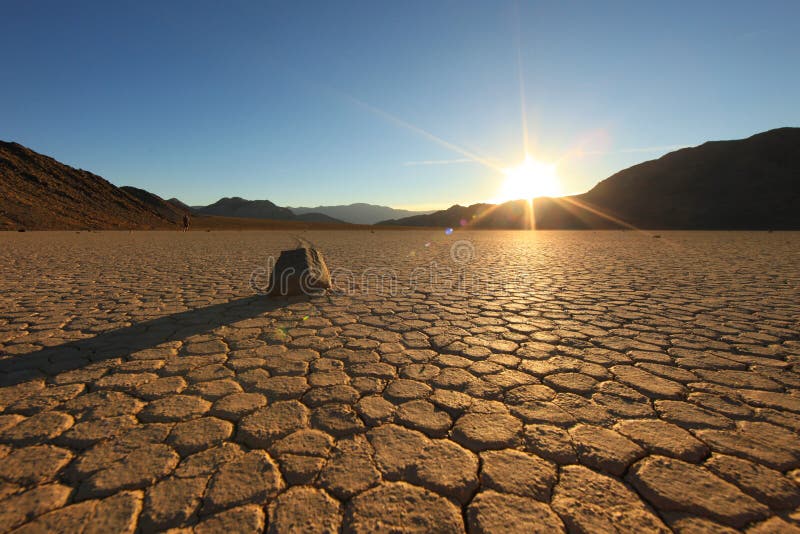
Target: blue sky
[{"x": 308, "y": 103}]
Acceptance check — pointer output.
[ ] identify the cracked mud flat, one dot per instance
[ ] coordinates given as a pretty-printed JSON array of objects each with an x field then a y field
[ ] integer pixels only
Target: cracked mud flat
[{"x": 595, "y": 381}]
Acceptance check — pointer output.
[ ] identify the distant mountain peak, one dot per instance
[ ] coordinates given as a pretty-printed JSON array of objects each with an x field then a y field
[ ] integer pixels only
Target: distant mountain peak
[
  {"x": 359, "y": 212},
  {"x": 259, "y": 209}
]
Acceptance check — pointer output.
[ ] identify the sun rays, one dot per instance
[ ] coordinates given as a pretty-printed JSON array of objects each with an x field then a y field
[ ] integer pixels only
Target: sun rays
[{"x": 529, "y": 180}]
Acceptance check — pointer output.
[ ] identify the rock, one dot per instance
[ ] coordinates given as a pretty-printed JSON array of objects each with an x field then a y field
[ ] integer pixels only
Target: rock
[
  {"x": 590, "y": 502},
  {"x": 401, "y": 507},
  {"x": 674, "y": 485},
  {"x": 491, "y": 512},
  {"x": 300, "y": 271},
  {"x": 304, "y": 509},
  {"x": 512, "y": 471}
]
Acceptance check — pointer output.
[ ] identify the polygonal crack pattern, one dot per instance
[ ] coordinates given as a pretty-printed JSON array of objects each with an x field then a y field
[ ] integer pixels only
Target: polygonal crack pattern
[{"x": 561, "y": 381}]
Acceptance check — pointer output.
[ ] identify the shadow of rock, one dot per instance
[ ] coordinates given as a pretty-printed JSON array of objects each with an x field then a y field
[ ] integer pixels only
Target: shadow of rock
[{"x": 123, "y": 342}]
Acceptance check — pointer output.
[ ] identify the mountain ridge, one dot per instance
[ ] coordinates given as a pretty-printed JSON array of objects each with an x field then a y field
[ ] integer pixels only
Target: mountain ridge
[
  {"x": 738, "y": 184},
  {"x": 359, "y": 212},
  {"x": 259, "y": 209},
  {"x": 38, "y": 192},
  {"x": 742, "y": 184}
]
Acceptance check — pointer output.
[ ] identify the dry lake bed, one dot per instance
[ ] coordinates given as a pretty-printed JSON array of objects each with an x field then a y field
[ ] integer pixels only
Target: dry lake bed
[{"x": 478, "y": 381}]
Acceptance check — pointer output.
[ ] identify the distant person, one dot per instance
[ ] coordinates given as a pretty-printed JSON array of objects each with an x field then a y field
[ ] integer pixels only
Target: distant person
[{"x": 185, "y": 222}]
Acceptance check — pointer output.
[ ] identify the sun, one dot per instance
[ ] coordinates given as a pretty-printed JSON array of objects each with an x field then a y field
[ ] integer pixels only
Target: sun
[{"x": 530, "y": 179}]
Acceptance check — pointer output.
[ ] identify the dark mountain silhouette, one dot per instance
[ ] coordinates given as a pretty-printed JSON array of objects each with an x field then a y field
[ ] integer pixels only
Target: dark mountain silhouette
[
  {"x": 38, "y": 192},
  {"x": 516, "y": 214},
  {"x": 164, "y": 208},
  {"x": 359, "y": 213},
  {"x": 258, "y": 209},
  {"x": 749, "y": 183},
  {"x": 752, "y": 183},
  {"x": 240, "y": 207}
]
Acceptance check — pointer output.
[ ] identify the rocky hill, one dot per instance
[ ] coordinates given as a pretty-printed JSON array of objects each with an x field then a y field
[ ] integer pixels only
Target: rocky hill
[
  {"x": 38, "y": 192},
  {"x": 751, "y": 183},
  {"x": 166, "y": 209}
]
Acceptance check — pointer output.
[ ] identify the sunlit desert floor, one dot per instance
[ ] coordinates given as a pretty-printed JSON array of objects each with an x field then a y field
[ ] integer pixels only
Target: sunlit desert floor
[{"x": 479, "y": 381}]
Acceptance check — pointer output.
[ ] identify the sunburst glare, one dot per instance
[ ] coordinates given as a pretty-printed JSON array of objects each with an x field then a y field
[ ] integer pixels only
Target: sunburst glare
[{"x": 530, "y": 179}]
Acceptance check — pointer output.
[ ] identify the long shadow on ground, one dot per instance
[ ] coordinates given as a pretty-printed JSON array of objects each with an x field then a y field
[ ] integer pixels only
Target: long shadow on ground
[{"x": 122, "y": 342}]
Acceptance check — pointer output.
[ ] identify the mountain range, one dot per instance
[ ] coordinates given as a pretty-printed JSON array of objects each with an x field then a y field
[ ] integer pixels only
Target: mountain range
[
  {"x": 360, "y": 213},
  {"x": 258, "y": 209},
  {"x": 39, "y": 193},
  {"x": 751, "y": 183}
]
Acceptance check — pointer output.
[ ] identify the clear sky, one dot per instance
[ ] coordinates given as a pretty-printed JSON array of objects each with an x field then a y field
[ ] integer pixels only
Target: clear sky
[{"x": 309, "y": 103}]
